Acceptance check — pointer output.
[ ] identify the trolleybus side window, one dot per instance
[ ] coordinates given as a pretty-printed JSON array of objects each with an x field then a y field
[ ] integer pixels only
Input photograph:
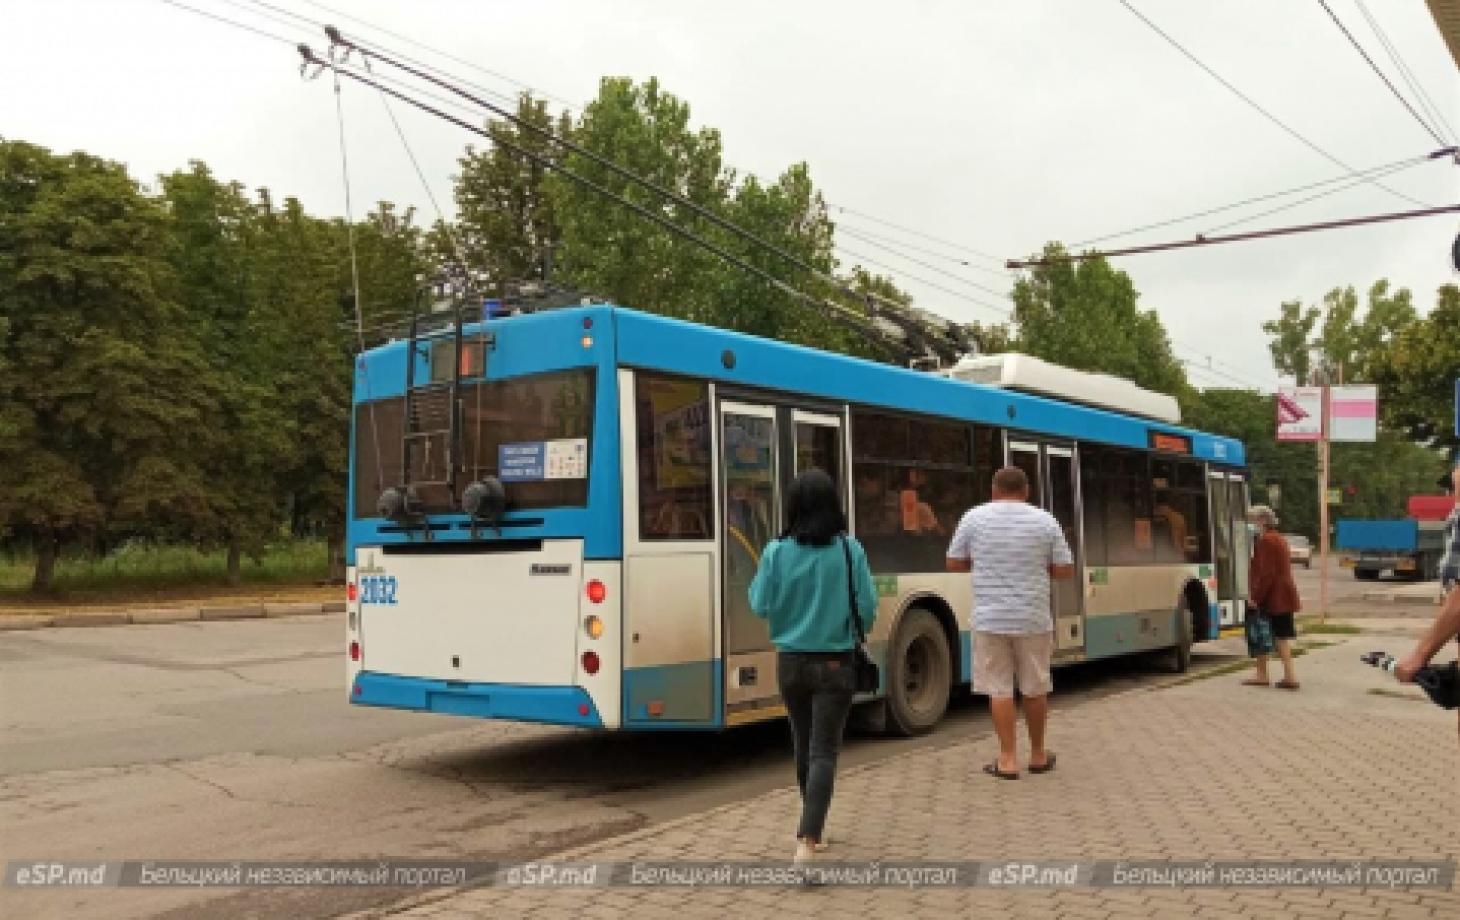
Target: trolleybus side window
[
  {"x": 912, "y": 480},
  {"x": 672, "y": 418},
  {"x": 1116, "y": 488},
  {"x": 1180, "y": 511}
]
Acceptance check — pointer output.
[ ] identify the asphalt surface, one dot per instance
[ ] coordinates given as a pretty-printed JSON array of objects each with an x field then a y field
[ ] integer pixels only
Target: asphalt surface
[{"x": 234, "y": 741}]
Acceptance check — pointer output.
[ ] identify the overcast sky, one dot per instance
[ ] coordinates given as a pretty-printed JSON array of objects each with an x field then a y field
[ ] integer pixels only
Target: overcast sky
[{"x": 999, "y": 124}]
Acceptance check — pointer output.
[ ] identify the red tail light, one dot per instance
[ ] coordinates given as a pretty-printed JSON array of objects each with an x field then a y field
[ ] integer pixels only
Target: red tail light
[
  {"x": 597, "y": 591},
  {"x": 354, "y": 651},
  {"x": 351, "y": 592},
  {"x": 590, "y": 662}
]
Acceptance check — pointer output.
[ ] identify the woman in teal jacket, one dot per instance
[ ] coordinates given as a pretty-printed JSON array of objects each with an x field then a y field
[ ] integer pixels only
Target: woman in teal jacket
[{"x": 802, "y": 588}]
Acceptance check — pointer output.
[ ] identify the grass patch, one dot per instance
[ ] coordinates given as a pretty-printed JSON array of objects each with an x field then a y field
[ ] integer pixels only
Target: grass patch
[
  {"x": 1244, "y": 664},
  {"x": 146, "y": 568},
  {"x": 1311, "y": 626}
]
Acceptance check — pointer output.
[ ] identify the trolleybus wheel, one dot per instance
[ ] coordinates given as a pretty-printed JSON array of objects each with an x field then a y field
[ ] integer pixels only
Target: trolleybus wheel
[
  {"x": 919, "y": 673},
  {"x": 1179, "y": 657}
]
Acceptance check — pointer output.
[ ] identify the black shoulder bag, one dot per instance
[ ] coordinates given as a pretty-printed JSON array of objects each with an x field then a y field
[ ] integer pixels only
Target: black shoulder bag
[{"x": 864, "y": 669}]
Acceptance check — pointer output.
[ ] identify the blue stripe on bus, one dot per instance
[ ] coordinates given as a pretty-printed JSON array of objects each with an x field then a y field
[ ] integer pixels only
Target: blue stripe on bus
[
  {"x": 692, "y": 693},
  {"x": 559, "y": 705},
  {"x": 649, "y": 341}
]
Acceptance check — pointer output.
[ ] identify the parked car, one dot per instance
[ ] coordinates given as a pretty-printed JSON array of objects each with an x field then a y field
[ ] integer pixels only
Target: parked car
[{"x": 1299, "y": 549}]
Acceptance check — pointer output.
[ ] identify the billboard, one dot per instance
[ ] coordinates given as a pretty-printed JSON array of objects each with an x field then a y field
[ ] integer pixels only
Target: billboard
[
  {"x": 1353, "y": 413},
  {"x": 1300, "y": 414}
]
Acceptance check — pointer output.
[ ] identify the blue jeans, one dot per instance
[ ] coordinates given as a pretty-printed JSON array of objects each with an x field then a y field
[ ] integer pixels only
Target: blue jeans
[{"x": 817, "y": 688}]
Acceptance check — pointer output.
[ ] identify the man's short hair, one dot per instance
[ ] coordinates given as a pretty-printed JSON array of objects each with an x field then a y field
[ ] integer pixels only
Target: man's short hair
[{"x": 1011, "y": 481}]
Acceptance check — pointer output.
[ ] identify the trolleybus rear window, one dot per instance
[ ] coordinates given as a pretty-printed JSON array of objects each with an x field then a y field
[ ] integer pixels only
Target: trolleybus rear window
[{"x": 534, "y": 433}]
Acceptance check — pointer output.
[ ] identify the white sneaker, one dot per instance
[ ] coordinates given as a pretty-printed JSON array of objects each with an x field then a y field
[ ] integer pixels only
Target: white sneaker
[
  {"x": 821, "y": 844},
  {"x": 805, "y": 854}
]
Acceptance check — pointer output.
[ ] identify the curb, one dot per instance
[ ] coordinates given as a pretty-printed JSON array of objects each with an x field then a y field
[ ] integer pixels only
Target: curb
[{"x": 18, "y": 622}]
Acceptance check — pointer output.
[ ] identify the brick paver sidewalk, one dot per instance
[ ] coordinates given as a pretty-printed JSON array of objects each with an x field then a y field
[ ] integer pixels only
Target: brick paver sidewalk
[{"x": 1203, "y": 770}]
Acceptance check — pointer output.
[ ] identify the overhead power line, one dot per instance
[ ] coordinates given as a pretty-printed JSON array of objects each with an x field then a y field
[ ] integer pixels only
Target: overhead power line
[
  {"x": 1433, "y": 111},
  {"x": 1289, "y": 205},
  {"x": 894, "y": 244},
  {"x": 1291, "y": 131},
  {"x": 1375, "y": 67},
  {"x": 262, "y": 33},
  {"x": 918, "y": 233},
  {"x": 1238, "y": 237},
  {"x": 1258, "y": 199},
  {"x": 372, "y": 81},
  {"x": 374, "y": 52}
]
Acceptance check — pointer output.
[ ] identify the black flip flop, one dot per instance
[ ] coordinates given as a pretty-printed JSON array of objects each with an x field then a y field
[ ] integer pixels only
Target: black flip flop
[
  {"x": 1046, "y": 767},
  {"x": 992, "y": 769}
]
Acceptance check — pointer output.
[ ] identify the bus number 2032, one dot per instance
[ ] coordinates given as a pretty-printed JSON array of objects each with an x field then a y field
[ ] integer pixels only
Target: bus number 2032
[{"x": 377, "y": 589}]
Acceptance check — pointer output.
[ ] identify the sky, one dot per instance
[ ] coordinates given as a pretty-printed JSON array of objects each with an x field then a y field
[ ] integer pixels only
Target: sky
[{"x": 996, "y": 124}]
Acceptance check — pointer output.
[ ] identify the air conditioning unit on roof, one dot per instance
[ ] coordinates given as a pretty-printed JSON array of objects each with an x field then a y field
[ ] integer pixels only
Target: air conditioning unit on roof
[{"x": 1025, "y": 374}]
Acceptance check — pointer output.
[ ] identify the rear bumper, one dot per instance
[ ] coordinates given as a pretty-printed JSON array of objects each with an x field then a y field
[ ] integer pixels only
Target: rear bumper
[{"x": 558, "y": 705}]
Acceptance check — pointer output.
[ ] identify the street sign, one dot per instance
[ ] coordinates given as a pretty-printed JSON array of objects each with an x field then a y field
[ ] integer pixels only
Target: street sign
[
  {"x": 1300, "y": 414},
  {"x": 1335, "y": 496},
  {"x": 1353, "y": 413}
]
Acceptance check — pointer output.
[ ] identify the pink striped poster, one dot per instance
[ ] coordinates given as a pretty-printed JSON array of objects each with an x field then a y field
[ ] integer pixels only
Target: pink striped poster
[{"x": 1353, "y": 413}]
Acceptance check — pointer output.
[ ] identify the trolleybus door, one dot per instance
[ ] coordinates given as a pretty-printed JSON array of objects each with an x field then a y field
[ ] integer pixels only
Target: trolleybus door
[
  {"x": 764, "y": 447},
  {"x": 750, "y": 506},
  {"x": 1054, "y": 483},
  {"x": 1230, "y": 539}
]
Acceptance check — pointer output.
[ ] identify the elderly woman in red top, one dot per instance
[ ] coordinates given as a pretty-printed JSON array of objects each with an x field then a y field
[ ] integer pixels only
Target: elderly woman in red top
[{"x": 1273, "y": 595}]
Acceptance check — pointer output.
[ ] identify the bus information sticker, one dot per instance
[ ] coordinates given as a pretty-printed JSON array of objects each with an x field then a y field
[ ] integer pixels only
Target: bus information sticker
[
  {"x": 566, "y": 459},
  {"x": 524, "y": 462},
  {"x": 534, "y": 461}
]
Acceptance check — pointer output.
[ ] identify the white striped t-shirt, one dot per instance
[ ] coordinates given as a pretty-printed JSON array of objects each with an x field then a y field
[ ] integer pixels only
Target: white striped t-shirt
[{"x": 1012, "y": 545}]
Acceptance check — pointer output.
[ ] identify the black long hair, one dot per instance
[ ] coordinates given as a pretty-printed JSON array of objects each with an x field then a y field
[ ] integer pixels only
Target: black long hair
[{"x": 813, "y": 510}]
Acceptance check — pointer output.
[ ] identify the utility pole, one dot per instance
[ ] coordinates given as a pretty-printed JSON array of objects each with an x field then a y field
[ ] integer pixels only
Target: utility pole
[{"x": 1323, "y": 512}]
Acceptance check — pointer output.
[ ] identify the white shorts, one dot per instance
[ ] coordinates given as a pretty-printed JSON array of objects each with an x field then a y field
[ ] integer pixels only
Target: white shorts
[{"x": 999, "y": 659}]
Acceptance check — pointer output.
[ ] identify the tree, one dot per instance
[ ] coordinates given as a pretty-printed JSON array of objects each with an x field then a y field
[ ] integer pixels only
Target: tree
[
  {"x": 101, "y": 381},
  {"x": 1085, "y": 315},
  {"x": 1416, "y": 370},
  {"x": 610, "y": 251},
  {"x": 214, "y": 247},
  {"x": 505, "y": 223},
  {"x": 1345, "y": 343}
]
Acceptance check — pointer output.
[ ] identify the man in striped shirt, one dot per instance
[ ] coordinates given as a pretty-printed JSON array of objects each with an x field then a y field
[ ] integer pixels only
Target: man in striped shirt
[{"x": 1013, "y": 550}]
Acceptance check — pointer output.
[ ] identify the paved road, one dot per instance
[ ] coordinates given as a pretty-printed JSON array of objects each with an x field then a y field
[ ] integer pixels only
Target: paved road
[
  {"x": 233, "y": 740},
  {"x": 1351, "y": 768},
  {"x": 1349, "y": 598}
]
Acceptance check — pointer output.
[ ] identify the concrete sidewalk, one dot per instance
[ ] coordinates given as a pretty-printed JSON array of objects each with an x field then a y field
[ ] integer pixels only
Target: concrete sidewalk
[{"x": 1200, "y": 770}]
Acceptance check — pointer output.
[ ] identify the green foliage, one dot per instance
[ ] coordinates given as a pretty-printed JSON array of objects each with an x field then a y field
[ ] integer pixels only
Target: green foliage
[
  {"x": 1085, "y": 315},
  {"x": 1416, "y": 373},
  {"x": 102, "y": 374},
  {"x": 1345, "y": 345},
  {"x": 143, "y": 565},
  {"x": 506, "y": 227},
  {"x": 1385, "y": 344}
]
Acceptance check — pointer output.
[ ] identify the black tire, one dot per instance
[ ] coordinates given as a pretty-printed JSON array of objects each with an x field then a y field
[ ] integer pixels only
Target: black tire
[
  {"x": 1366, "y": 575},
  {"x": 1178, "y": 657},
  {"x": 919, "y": 674}
]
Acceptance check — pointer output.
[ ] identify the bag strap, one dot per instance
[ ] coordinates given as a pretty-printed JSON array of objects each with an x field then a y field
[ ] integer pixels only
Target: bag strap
[{"x": 854, "y": 614}]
